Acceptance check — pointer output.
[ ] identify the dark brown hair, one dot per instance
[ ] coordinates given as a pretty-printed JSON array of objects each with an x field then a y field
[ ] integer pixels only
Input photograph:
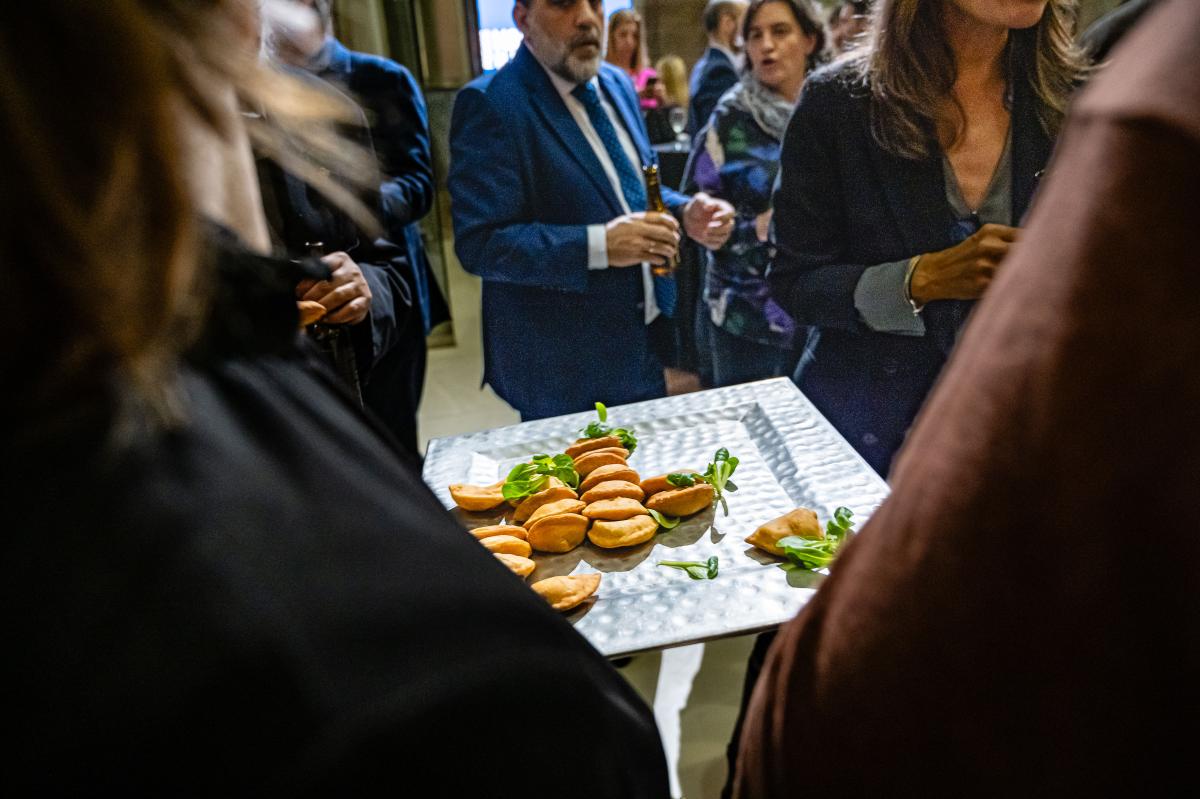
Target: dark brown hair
[
  {"x": 805, "y": 17},
  {"x": 908, "y": 65}
]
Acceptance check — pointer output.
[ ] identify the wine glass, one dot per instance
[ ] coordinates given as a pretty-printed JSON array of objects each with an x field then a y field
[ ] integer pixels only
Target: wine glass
[{"x": 677, "y": 116}]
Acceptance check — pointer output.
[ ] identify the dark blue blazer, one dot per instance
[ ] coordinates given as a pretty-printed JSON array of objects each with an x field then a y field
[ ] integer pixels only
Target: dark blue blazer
[
  {"x": 399, "y": 124},
  {"x": 713, "y": 75},
  {"x": 524, "y": 186},
  {"x": 843, "y": 204}
]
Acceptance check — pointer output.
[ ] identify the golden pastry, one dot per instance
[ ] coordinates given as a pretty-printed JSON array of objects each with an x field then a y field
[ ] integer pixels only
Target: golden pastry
[
  {"x": 522, "y": 567},
  {"x": 623, "y": 533},
  {"x": 498, "y": 529},
  {"x": 682, "y": 501},
  {"x": 554, "y": 509},
  {"x": 802, "y": 522},
  {"x": 615, "y": 471},
  {"x": 564, "y": 593},
  {"x": 507, "y": 545},
  {"x": 560, "y": 533},
  {"x": 652, "y": 485},
  {"x": 589, "y": 462},
  {"x": 588, "y": 444},
  {"x": 311, "y": 312},
  {"x": 477, "y": 498},
  {"x": 547, "y": 495},
  {"x": 613, "y": 489},
  {"x": 615, "y": 509},
  {"x": 551, "y": 482}
]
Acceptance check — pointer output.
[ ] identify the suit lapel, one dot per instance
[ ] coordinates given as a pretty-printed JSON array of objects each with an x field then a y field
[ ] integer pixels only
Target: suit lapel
[
  {"x": 630, "y": 116},
  {"x": 550, "y": 106}
]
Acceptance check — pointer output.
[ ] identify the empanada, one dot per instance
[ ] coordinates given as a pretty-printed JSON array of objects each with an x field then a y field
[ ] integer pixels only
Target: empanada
[
  {"x": 615, "y": 509},
  {"x": 682, "y": 501},
  {"x": 498, "y": 529},
  {"x": 612, "y": 489},
  {"x": 589, "y": 462},
  {"x": 802, "y": 522},
  {"x": 507, "y": 545},
  {"x": 560, "y": 533},
  {"x": 522, "y": 567},
  {"x": 624, "y": 533},
  {"x": 615, "y": 471},
  {"x": 652, "y": 485},
  {"x": 553, "y": 509},
  {"x": 477, "y": 498},
  {"x": 312, "y": 312},
  {"x": 564, "y": 593},
  {"x": 547, "y": 495},
  {"x": 588, "y": 444}
]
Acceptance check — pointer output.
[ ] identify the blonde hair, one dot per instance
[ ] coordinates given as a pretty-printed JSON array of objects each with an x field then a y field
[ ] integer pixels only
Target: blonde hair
[
  {"x": 101, "y": 257},
  {"x": 638, "y": 60},
  {"x": 908, "y": 65},
  {"x": 672, "y": 71}
]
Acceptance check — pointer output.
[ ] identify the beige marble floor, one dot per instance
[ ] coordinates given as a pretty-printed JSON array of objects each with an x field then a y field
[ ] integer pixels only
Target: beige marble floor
[{"x": 694, "y": 690}]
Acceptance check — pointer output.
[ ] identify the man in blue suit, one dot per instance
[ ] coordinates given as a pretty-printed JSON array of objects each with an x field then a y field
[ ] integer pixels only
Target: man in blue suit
[
  {"x": 717, "y": 70},
  {"x": 549, "y": 209}
]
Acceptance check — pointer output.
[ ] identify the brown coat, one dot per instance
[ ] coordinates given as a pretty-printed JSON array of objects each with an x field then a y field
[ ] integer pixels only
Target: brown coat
[{"x": 1023, "y": 615}]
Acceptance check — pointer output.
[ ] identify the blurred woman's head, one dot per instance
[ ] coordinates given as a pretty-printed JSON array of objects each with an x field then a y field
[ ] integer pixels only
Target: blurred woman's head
[
  {"x": 105, "y": 178},
  {"x": 910, "y": 66},
  {"x": 672, "y": 71},
  {"x": 625, "y": 48},
  {"x": 784, "y": 39}
]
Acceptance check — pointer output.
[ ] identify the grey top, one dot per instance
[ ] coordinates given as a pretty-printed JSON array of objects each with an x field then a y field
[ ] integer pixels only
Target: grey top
[{"x": 879, "y": 295}]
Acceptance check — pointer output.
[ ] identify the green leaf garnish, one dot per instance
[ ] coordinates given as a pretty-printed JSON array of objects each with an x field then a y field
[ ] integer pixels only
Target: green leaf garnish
[
  {"x": 601, "y": 429},
  {"x": 697, "y": 570},
  {"x": 681, "y": 480},
  {"x": 718, "y": 473},
  {"x": 665, "y": 522},
  {"x": 817, "y": 553},
  {"x": 526, "y": 479}
]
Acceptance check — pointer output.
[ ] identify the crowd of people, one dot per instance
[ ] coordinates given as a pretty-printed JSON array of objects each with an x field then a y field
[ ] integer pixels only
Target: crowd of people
[{"x": 969, "y": 245}]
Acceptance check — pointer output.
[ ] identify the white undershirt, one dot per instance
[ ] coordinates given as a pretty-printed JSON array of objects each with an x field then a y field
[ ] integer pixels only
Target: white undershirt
[{"x": 597, "y": 239}]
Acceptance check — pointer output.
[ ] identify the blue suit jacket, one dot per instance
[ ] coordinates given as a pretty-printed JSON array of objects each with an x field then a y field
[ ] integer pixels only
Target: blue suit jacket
[
  {"x": 843, "y": 204},
  {"x": 524, "y": 186},
  {"x": 713, "y": 75},
  {"x": 399, "y": 124}
]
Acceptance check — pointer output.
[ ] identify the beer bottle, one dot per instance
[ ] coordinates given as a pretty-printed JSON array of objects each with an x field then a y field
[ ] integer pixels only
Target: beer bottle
[{"x": 654, "y": 202}]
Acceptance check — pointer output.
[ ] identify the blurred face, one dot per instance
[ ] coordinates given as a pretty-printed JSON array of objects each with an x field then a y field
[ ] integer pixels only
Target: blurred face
[
  {"x": 848, "y": 28},
  {"x": 1003, "y": 13},
  {"x": 778, "y": 48},
  {"x": 625, "y": 43},
  {"x": 730, "y": 29},
  {"x": 296, "y": 34},
  {"x": 564, "y": 35}
]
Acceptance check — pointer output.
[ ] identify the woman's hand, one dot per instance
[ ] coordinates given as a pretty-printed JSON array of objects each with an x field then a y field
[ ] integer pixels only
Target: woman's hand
[
  {"x": 762, "y": 224},
  {"x": 964, "y": 271}
]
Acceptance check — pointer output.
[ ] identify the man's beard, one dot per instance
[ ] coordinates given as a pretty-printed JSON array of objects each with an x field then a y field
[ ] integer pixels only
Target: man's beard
[{"x": 561, "y": 59}]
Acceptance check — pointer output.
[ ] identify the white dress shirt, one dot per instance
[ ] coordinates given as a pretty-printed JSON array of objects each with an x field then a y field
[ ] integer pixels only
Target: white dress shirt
[{"x": 597, "y": 238}]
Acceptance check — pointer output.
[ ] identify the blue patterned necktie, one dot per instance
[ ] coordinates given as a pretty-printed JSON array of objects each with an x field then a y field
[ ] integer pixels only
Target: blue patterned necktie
[{"x": 631, "y": 182}]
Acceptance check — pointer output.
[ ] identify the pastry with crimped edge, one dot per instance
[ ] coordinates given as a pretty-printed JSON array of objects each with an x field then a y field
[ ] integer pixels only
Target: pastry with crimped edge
[
  {"x": 564, "y": 593},
  {"x": 623, "y": 533}
]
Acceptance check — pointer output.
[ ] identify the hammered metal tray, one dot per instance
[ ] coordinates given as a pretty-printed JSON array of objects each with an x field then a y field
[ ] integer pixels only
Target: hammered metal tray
[{"x": 790, "y": 457}]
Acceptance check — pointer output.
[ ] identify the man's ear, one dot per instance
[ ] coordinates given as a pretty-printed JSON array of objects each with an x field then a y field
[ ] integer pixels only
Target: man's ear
[{"x": 520, "y": 15}]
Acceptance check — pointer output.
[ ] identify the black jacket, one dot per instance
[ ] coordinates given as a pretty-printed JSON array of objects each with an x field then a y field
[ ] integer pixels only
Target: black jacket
[
  {"x": 844, "y": 204},
  {"x": 713, "y": 75},
  {"x": 264, "y": 601}
]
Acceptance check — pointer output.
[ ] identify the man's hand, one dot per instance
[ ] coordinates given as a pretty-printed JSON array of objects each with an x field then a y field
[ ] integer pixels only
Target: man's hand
[
  {"x": 708, "y": 221},
  {"x": 964, "y": 271},
  {"x": 346, "y": 293},
  {"x": 644, "y": 237}
]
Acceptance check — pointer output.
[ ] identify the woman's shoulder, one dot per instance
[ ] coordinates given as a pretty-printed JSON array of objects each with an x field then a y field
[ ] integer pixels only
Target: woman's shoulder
[{"x": 842, "y": 82}]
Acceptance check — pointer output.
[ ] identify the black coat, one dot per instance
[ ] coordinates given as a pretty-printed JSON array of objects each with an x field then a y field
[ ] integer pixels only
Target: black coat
[
  {"x": 844, "y": 204},
  {"x": 265, "y": 601}
]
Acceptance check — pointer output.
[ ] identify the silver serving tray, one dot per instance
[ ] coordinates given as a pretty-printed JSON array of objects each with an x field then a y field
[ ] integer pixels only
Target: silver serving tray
[{"x": 790, "y": 457}]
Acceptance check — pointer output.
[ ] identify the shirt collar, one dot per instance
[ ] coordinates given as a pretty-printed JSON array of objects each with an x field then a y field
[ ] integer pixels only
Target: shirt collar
[{"x": 735, "y": 58}]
